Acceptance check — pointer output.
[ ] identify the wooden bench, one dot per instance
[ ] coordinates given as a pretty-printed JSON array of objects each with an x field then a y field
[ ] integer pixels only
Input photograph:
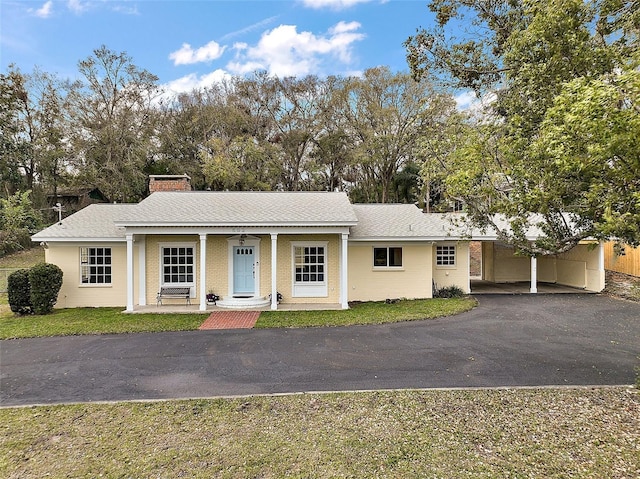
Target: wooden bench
[{"x": 174, "y": 292}]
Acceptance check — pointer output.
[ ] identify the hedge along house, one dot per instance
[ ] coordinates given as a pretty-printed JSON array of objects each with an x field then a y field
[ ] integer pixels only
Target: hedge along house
[{"x": 253, "y": 249}]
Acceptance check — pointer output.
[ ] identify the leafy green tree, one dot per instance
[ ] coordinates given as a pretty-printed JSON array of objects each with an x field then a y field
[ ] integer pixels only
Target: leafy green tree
[
  {"x": 241, "y": 165},
  {"x": 114, "y": 119},
  {"x": 14, "y": 146},
  {"x": 18, "y": 221},
  {"x": 591, "y": 137},
  {"x": 526, "y": 53},
  {"x": 383, "y": 114},
  {"x": 33, "y": 154}
]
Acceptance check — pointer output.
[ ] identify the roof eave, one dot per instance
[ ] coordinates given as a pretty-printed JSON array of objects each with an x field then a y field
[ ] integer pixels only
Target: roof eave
[{"x": 261, "y": 224}]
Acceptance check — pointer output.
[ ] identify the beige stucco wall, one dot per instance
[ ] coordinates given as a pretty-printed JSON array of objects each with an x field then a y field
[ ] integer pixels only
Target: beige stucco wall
[
  {"x": 367, "y": 283},
  {"x": 457, "y": 275},
  {"x": 152, "y": 262},
  {"x": 488, "y": 273},
  {"x": 547, "y": 269},
  {"x": 580, "y": 267},
  {"x": 73, "y": 294}
]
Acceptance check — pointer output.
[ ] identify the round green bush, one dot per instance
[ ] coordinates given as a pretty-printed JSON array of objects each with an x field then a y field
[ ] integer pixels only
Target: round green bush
[
  {"x": 19, "y": 292},
  {"x": 46, "y": 281}
]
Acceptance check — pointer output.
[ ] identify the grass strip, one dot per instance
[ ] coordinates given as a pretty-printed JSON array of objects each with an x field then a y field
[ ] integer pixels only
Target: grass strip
[
  {"x": 75, "y": 321},
  {"x": 551, "y": 433},
  {"x": 368, "y": 313}
]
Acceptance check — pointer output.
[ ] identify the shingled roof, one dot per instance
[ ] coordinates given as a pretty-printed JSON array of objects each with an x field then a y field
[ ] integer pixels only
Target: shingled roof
[
  {"x": 223, "y": 208},
  {"x": 401, "y": 222},
  {"x": 95, "y": 222}
]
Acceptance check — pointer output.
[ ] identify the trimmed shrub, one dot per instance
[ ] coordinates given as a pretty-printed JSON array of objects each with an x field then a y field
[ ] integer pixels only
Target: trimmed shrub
[
  {"x": 46, "y": 281},
  {"x": 19, "y": 292},
  {"x": 449, "y": 292}
]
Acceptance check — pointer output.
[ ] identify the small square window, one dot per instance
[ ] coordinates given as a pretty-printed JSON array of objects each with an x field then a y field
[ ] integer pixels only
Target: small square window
[{"x": 446, "y": 255}]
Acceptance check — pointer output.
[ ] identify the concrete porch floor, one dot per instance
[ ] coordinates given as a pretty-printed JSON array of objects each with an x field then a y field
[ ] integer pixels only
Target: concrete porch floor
[
  {"x": 487, "y": 287},
  {"x": 194, "y": 308}
]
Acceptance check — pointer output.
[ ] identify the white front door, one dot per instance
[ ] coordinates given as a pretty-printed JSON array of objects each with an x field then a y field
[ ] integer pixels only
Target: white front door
[{"x": 244, "y": 283}]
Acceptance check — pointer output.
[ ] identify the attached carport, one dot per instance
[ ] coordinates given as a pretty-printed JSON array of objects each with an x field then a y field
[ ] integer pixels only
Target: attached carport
[{"x": 578, "y": 270}]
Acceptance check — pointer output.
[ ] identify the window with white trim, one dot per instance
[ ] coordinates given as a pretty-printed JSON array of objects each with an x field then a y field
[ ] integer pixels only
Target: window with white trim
[
  {"x": 178, "y": 265},
  {"x": 95, "y": 265},
  {"x": 445, "y": 255},
  {"x": 309, "y": 264},
  {"x": 387, "y": 257}
]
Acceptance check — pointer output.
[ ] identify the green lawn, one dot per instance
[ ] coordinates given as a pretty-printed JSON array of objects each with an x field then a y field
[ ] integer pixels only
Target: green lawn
[
  {"x": 536, "y": 433},
  {"x": 368, "y": 313},
  {"x": 65, "y": 322},
  {"x": 75, "y": 321}
]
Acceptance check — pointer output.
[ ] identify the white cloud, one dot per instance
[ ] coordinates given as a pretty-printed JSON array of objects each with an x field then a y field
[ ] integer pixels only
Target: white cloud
[
  {"x": 193, "y": 81},
  {"x": 284, "y": 51},
  {"x": 333, "y": 4},
  {"x": 187, "y": 55},
  {"x": 44, "y": 11},
  {"x": 465, "y": 99},
  {"x": 478, "y": 108},
  {"x": 77, "y": 7},
  {"x": 126, "y": 10}
]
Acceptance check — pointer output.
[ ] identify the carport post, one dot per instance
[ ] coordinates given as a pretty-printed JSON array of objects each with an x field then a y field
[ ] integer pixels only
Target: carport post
[{"x": 534, "y": 275}]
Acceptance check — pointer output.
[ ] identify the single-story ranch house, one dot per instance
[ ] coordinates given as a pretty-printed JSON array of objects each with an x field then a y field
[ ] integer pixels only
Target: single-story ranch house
[{"x": 259, "y": 249}]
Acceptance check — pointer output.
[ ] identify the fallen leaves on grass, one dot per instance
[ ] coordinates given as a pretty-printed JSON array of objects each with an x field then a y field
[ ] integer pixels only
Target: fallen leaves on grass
[{"x": 481, "y": 433}]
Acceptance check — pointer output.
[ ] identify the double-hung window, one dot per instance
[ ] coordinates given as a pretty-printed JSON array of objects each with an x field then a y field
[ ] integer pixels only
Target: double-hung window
[
  {"x": 445, "y": 255},
  {"x": 178, "y": 265},
  {"x": 387, "y": 257},
  {"x": 95, "y": 265},
  {"x": 309, "y": 269}
]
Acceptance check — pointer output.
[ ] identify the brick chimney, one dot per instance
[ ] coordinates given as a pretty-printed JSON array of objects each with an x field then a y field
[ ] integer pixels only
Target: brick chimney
[{"x": 169, "y": 183}]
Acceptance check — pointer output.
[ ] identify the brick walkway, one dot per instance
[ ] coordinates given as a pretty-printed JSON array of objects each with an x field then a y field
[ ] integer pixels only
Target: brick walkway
[{"x": 230, "y": 320}]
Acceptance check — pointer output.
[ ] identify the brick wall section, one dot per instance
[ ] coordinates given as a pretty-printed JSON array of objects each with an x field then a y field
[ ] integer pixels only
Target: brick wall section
[{"x": 169, "y": 183}]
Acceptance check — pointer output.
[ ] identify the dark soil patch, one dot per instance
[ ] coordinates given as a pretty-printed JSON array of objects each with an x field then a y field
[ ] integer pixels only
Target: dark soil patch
[{"x": 622, "y": 285}]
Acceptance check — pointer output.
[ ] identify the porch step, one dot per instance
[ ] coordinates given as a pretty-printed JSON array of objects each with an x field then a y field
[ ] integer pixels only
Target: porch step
[{"x": 244, "y": 303}]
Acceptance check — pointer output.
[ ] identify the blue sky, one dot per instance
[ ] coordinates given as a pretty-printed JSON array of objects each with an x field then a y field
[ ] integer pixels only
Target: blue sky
[{"x": 190, "y": 44}]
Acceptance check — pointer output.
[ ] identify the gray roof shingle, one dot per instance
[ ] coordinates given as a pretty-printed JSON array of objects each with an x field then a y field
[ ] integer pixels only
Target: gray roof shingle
[
  {"x": 241, "y": 208},
  {"x": 96, "y": 221},
  {"x": 400, "y": 221}
]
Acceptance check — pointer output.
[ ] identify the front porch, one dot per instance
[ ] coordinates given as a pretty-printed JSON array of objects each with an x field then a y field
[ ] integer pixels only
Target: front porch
[
  {"x": 195, "y": 308},
  {"x": 246, "y": 271}
]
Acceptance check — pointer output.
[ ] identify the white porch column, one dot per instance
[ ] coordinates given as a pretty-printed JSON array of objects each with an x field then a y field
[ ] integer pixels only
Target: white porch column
[
  {"x": 129, "y": 272},
  {"x": 468, "y": 267},
  {"x": 203, "y": 272},
  {"x": 274, "y": 271},
  {"x": 534, "y": 275},
  {"x": 601, "y": 283},
  {"x": 142, "y": 270},
  {"x": 344, "y": 287}
]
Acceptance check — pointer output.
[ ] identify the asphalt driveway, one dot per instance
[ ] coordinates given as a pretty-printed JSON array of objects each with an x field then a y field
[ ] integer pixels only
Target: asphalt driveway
[{"x": 524, "y": 340}]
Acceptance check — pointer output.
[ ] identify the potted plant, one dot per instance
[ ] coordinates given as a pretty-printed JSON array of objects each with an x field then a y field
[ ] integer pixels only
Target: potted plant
[{"x": 212, "y": 297}]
